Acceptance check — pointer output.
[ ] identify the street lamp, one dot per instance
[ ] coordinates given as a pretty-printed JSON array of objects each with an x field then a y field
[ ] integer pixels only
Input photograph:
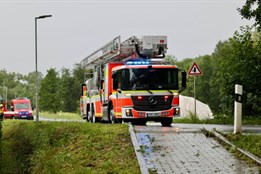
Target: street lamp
[{"x": 36, "y": 70}]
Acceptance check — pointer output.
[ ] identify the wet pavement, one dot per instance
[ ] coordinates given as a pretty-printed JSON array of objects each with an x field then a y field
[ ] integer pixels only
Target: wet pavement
[{"x": 184, "y": 148}]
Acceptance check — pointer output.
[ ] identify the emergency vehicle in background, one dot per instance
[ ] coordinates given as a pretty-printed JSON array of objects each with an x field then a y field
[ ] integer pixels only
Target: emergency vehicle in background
[
  {"x": 20, "y": 109},
  {"x": 131, "y": 82}
]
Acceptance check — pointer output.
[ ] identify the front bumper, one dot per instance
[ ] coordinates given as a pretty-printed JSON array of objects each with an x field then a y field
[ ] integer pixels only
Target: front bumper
[{"x": 130, "y": 113}]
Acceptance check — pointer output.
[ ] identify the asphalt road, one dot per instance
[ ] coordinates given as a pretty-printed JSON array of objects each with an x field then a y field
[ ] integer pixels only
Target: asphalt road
[{"x": 183, "y": 148}]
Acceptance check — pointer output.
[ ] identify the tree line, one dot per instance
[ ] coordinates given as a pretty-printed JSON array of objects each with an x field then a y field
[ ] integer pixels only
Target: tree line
[
  {"x": 236, "y": 60},
  {"x": 58, "y": 90}
]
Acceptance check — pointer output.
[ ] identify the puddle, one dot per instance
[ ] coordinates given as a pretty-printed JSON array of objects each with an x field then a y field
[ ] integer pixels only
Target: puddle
[{"x": 145, "y": 142}]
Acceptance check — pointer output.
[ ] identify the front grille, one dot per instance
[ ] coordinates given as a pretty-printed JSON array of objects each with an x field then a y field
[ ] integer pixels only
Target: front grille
[{"x": 152, "y": 103}]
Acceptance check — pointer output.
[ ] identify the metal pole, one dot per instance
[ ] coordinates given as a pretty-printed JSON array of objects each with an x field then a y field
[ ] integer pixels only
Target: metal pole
[
  {"x": 36, "y": 74},
  {"x": 36, "y": 69},
  {"x": 195, "y": 101}
]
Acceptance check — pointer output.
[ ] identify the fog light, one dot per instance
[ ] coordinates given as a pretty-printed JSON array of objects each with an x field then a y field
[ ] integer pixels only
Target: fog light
[
  {"x": 128, "y": 112},
  {"x": 176, "y": 111}
]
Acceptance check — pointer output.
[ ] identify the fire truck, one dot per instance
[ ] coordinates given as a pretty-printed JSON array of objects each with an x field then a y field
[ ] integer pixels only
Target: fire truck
[{"x": 130, "y": 81}]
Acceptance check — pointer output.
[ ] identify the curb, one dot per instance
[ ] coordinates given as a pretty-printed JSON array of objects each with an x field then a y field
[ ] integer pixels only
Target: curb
[
  {"x": 253, "y": 157},
  {"x": 141, "y": 161}
]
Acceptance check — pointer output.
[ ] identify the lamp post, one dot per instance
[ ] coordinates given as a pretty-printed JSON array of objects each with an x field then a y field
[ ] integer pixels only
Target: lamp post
[{"x": 36, "y": 70}]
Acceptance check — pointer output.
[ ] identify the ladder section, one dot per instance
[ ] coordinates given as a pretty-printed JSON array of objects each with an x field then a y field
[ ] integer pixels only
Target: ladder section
[{"x": 114, "y": 51}]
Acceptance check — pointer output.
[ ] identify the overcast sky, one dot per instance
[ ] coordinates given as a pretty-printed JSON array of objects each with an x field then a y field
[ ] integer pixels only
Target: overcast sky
[{"x": 79, "y": 27}]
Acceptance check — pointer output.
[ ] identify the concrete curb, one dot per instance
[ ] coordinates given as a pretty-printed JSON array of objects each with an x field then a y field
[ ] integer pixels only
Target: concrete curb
[
  {"x": 141, "y": 161},
  {"x": 253, "y": 157}
]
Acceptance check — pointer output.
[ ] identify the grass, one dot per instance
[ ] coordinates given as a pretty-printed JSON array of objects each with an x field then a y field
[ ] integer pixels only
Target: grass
[
  {"x": 61, "y": 115},
  {"x": 66, "y": 147},
  {"x": 218, "y": 119},
  {"x": 249, "y": 142}
]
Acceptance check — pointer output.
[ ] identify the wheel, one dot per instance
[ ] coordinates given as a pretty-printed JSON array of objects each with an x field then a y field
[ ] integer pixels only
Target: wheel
[
  {"x": 166, "y": 122},
  {"x": 112, "y": 118},
  {"x": 88, "y": 117},
  {"x": 91, "y": 117}
]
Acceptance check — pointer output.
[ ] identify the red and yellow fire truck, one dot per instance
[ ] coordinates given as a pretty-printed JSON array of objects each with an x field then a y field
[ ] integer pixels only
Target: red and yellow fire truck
[{"x": 131, "y": 82}]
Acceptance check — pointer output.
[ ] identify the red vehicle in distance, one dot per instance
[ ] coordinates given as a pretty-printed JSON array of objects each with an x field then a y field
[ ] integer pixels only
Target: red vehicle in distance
[{"x": 20, "y": 109}]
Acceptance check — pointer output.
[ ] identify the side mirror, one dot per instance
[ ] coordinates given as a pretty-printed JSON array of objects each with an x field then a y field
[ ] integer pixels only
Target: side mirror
[{"x": 184, "y": 79}]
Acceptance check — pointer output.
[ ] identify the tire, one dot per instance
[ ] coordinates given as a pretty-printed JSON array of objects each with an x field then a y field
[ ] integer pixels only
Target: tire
[
  {"x": 93, "y": 118},
  {"x": 112, "y": 118},
  {"x": 166, "y": 122},
  {"x": 90, "y": 117}
]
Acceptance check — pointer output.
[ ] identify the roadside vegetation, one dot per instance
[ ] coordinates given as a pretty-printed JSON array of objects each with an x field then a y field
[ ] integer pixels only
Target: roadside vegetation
[
  {"x": 61, "y": 115},
  {"x": 249, "y": 142},
  {"x": 219, "y": 119},
  {"x": 66, "y": 147}
]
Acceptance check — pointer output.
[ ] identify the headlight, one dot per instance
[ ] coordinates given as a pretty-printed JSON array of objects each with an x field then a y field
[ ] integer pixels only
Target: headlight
[{"x": 128, "y": 112}]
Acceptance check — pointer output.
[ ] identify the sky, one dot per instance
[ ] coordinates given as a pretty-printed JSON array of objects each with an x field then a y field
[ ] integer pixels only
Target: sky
[{"x": 79, "y": 27}]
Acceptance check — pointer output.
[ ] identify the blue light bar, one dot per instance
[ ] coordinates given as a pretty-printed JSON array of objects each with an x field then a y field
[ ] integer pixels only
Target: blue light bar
[{"x": 138, "y": 62}]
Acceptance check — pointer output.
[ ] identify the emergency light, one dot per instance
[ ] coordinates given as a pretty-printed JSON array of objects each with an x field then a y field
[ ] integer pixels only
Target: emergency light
[{"x": 138, "y": 62}]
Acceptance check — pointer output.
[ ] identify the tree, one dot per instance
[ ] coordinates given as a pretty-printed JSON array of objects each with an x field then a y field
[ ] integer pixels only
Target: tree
[
  {"x": 248, "y": 11},
  {"x": 49, "y": 95},
  {"x": 78, "y": 75},
  {"x": 238, "y": 61},
  {"x": 66, "y": 83},
  {"x": 171, "y": 59}
]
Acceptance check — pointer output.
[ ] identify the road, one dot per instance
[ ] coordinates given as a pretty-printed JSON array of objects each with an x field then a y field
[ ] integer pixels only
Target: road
[{"x": 183, "y": 148}]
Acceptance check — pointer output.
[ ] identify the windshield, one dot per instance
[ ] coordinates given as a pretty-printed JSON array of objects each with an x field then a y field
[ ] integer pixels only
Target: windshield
[
  {"x": 149, "y": 78},
  {"x": 22, "y": 106}
]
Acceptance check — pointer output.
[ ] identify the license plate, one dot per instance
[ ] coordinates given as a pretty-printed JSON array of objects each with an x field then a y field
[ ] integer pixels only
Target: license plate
[
  {"x": 23, "y": 116},
  {"x": 153, "y": 114}
]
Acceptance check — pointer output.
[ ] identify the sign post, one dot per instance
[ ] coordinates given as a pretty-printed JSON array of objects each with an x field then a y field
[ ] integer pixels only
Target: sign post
[{"x": 195, "y": 71}]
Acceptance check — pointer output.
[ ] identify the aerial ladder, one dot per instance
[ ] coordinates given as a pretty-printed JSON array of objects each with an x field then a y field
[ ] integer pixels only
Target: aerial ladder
[{"x": 146, "y": 48}]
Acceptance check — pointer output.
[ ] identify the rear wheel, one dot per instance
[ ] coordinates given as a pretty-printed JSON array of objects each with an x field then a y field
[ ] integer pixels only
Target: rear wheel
[
  {"x": 111, "y": 116},
  {"x": 88, "y": 117},
  {"x": 166, "y": 122},
  {"x": 91, "y": 117}
]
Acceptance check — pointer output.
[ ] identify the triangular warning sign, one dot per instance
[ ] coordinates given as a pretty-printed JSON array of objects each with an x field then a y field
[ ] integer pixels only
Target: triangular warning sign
[{"x": 194, "y": 70}]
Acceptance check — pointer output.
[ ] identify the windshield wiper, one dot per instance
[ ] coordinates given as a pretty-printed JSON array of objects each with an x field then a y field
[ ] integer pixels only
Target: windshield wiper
[
  {"x": 149, "y": 91},
  {"x": 170, "y": 91}
]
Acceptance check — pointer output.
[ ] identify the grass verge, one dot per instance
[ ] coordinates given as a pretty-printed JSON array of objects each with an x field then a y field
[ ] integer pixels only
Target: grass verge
[
  {"x": 248, "y": 142},
  {"x": 66, "y": 147},
  {"x": 218, "y": 120},
  {"x": 61, "y": 115}
]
